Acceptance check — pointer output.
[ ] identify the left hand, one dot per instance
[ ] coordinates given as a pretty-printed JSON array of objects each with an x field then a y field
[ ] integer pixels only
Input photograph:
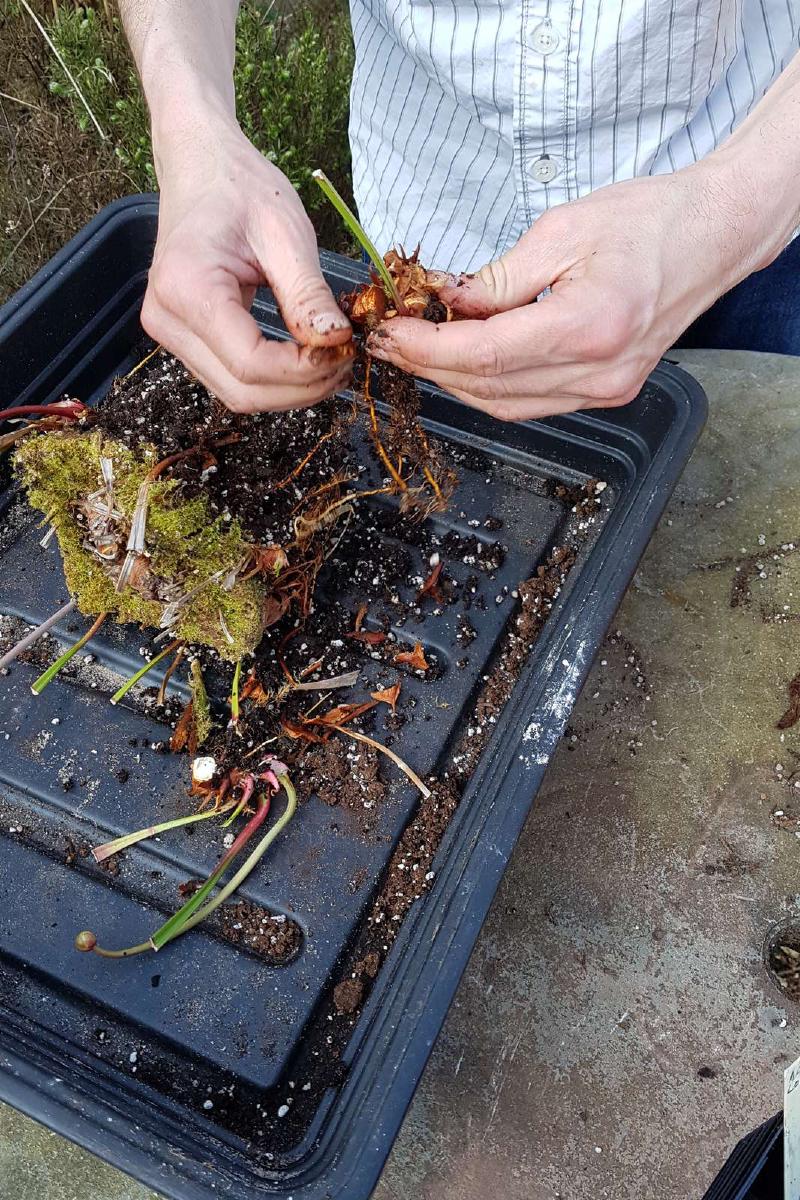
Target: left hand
[{"x": 630, "y": 267}]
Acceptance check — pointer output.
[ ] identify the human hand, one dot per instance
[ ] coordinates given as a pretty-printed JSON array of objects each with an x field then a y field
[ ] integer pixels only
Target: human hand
[
  {"x": 230, "y": 220},
  {"x": 630, "y": 267}
]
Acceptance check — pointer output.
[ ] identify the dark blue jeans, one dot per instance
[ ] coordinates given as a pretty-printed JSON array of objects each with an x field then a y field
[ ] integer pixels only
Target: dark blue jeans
[{"x": 760, "y": 313}]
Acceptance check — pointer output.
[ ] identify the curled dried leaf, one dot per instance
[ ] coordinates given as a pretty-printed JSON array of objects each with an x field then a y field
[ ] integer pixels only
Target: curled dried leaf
[
  {"x": 343, "y": 713},
  {"x": 388, "y": 696},
  {"x": 253, "y": 689},
  {"x": 185, "y": 734},
  {"x": 413, "y": 658},
  {"x": 359, "y": 621},
  {"x": 300, "y": 732}
]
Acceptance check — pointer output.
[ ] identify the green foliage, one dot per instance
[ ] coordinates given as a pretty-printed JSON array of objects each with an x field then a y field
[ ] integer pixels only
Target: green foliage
[
  {"x": 97, "y": 55},
  {"x": 292, "y": 81}
]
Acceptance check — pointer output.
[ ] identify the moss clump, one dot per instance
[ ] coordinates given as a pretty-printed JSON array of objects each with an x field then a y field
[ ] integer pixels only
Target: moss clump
[{"x": 188, "y": 551}]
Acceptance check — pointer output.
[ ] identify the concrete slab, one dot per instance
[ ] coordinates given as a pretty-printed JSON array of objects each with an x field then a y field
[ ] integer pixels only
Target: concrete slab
[{"x": 616, "y": 1032}]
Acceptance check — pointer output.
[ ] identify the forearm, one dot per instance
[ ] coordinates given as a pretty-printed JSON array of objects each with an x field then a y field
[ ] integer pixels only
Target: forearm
[
  {"x": 184, "y": 52},
  {"x": 758, "y": 168}
]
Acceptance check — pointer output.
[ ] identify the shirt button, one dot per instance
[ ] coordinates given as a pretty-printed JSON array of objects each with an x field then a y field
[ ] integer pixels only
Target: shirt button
[
  {"x": 544, "y": 39},
  {"x": 544, "y": 169}
]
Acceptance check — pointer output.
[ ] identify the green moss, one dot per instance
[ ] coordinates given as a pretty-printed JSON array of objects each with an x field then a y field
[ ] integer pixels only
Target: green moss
[
  {"x": 185, "y": 545},
  {"x": 201, "y": 709}
]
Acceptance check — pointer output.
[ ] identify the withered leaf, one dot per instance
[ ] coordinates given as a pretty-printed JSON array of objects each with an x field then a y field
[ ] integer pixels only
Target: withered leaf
[
  {"x": 414, "y": 658},
  {"x": 300, "y": 732},
  {"x": 273, "y": 609},
  {"x": 362, "y": 612},
  {"x": 431, "y": 585},
  {"x": 253, "y": 690},
  {"x": 343, "y": 713},
  {"x": 185, "y": 734},
  {"x": 388, "y": 696},
  {"x": 371, "y": 637}
]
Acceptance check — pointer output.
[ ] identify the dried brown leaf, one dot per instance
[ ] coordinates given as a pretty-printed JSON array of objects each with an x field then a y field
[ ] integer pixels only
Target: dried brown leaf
[
  {"x": 184, "y": 734},
  {"x": 388, "y": 696},
  {"x": 413, "y": 658},
  {"x": 368, "y": 637},
  {"x": 431, "y": 585},
  {"x": 343, "y": 713}
]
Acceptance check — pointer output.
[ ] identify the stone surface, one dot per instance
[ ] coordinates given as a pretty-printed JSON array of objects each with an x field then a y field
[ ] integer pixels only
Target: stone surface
[{"x": 615, "y": 1032}]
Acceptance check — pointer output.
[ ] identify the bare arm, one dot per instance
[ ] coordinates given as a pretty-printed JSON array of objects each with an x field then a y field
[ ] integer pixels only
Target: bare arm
[
  {"x": 229, "y": 220},
  {"x": 630, "y": 267}
]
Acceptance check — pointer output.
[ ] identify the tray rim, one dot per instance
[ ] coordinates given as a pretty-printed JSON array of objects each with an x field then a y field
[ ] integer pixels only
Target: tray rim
[{"x": 350, "y": 1150}]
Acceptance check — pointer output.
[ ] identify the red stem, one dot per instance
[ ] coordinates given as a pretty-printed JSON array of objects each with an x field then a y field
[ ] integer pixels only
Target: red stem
[
  {"x": 252, "y": 825},
  {"x": 70, "y": 411}
]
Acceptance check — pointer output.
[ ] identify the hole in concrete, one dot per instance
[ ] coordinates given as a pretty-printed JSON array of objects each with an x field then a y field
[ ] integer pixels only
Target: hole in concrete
[{"x": 782, "y": 959}]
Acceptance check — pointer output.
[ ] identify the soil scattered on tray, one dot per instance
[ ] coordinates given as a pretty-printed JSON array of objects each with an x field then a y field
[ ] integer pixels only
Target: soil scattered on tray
[
  {"x": 272, "y": 935},
  {"x": 247, "y": 484},
  {"x": 347, "y": 776}
]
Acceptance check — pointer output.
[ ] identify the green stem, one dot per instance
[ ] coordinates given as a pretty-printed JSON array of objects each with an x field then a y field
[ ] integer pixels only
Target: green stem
[
  {"x": 101, "y": 853},
  {"x": 148, "y": 666},
  {"x": 359, "y": 233},
  {"x": 47, "y": 676},
  {"x": 235, "y": 693}
]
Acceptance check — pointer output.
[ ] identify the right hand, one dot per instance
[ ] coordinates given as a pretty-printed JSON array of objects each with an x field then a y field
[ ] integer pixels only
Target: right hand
[{"x": 229, "y": 221}]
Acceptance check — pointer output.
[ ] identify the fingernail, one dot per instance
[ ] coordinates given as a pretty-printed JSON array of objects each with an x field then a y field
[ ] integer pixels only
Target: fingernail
[{"x": 328, "y": 321}]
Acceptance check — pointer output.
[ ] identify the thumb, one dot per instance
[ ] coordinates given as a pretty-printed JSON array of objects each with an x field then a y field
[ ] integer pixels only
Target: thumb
[
  {"x": 516, "y": 278},
  {"x": 306, "y": 302}
]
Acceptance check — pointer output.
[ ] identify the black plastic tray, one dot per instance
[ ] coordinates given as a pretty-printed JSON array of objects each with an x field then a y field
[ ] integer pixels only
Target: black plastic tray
[{"x": 94, "y": 1049}]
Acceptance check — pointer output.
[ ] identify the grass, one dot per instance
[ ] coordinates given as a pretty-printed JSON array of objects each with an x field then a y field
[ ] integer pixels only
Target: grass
[{"x": 292, "y": 82}]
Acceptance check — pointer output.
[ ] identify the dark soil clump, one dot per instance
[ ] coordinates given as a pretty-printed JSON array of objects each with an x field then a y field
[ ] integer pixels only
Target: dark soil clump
[{"x": 253, "y": 478}]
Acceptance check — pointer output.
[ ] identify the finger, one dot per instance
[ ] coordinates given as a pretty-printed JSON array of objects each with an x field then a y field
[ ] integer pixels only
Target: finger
[
  {"x": 243, "y": 397},
  {"x": 519, "y": 385},
  {"x": 546, "y": 334},
  {"x": 286, "y": 247},
  {"x": 230, "y": 332},
  {"x": 542, "y": 255}
]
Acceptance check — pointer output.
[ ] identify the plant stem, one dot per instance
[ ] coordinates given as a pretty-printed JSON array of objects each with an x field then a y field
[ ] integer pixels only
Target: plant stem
[
  {"x": 187, "y": 916},
  {"x": 148, "y": 666},
  {"x": 191, "y": 914},
  {"x": 101, "y": 853},
  {"x": 181, "y": 920},
  {"x": 47, "y": 676},
  {"x": 261, "y": 848},
  {"x": 359, "y": 233},
  {"x": 71, "y": 411},
  {"x": 247, "y": 791},
  {"x": 404, "y": 767},
  {"x": 235, "y": 693},
  {"x": 64, "y": 67},
  {"x": 170, "y": 671},
  {"x": 34, "y": 635}
]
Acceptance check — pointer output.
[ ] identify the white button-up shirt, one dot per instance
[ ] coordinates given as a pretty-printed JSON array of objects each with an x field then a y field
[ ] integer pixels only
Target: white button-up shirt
[{"x": 470, "y": 117}]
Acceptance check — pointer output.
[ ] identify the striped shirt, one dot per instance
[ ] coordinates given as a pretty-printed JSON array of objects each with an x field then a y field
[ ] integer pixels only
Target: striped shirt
[{"x": 470, "y": 117}]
